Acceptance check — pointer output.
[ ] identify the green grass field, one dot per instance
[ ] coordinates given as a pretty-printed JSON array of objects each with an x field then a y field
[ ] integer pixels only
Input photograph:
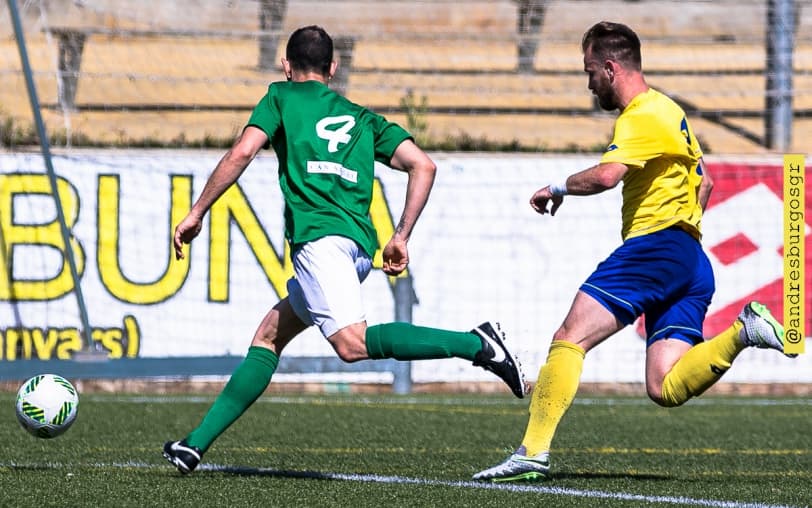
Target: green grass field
[{"x": 373, "y": 451}]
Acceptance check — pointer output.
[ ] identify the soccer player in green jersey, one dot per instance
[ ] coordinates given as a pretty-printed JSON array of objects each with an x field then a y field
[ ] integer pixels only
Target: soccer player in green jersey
[
  {"x": 327, "y": 147},
  {"x": 659, "y": 270}
]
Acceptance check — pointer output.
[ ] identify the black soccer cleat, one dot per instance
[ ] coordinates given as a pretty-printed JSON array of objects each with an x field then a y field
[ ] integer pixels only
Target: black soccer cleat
[
  {"x": 182, "y": 456},
  {"x": 496, "y": 358}
]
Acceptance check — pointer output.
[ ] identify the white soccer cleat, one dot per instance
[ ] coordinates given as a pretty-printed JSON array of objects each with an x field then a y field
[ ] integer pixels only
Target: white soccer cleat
[
  {"x": 761, "y": 329},
  {"x": 518, "y": 467}
]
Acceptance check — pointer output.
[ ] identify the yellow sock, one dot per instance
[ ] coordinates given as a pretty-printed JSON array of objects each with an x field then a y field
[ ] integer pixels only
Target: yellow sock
[
  {"x": 556, "y": 386},
  {"x": 702, "y": 366}
]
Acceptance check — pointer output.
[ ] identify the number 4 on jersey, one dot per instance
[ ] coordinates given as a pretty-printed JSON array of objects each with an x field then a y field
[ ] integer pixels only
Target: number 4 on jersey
[{"x": 338, "y": 135}]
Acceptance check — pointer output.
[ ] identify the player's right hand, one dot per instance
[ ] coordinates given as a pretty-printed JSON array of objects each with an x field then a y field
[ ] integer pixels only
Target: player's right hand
[
  {"x": 185, "y": 232},
  {"x": 543, "y": 196}
]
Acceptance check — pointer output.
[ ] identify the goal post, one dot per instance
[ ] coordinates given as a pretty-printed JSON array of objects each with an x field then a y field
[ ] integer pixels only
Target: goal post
[
  {"x": 779, "y": 41},
  {"x": 46, "y": 155}
]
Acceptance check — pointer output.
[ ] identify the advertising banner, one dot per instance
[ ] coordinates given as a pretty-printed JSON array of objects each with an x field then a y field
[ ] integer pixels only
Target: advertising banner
[{"x": 478, "y": 253}]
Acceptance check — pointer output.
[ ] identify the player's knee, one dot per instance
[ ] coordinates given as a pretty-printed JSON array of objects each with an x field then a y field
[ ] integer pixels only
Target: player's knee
[
  {"x": 265, "y": 336},
  {"x": 660, "y": 401},
  {"x": 348, "y": 354},
  {"x": 665, "y": 394},
  {"x": 349, "y": 346}
]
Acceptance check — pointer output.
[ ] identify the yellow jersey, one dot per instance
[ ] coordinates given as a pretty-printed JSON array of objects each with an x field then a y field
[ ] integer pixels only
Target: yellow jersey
[{"x": 661, "y": 187}]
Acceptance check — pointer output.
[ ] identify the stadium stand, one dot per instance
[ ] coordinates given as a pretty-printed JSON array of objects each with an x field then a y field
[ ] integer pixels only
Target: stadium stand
[{"x": 504, "y": 72}]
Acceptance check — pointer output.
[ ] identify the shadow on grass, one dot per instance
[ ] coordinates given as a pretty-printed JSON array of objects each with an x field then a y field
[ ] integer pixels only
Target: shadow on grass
[
  {"x": 611, "y": 476},
  {"x": 274, "y": 473},
  {"x": 317, "y": 475}
]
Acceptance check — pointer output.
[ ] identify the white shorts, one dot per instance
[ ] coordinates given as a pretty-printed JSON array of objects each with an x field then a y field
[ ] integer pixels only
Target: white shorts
[{"x": 326, "y": 288}]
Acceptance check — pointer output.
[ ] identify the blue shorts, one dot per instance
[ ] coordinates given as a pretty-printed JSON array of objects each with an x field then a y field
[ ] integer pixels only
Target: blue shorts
[{"x": 664, "y": 275}]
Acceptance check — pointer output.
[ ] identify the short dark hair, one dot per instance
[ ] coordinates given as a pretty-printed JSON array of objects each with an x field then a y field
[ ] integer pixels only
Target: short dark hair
[
  {"x": 614, "y": 41},
  {"x": 310, "y": 49}
]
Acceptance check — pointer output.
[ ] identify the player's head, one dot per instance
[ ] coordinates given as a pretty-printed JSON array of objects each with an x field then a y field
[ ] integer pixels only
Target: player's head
[
  {"x": 609, "y": 49},
  {"x": 310, "y": 50},
  {"x": 614, "y": 41}
]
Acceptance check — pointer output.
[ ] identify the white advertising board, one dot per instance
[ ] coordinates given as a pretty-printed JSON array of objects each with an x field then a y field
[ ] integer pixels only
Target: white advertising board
[{"x": 478, "y": 253}]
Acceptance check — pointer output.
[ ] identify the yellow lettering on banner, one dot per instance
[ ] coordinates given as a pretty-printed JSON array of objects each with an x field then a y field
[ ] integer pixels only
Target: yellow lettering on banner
[
  {"x": 70, "y": 341},
  {"x": 132, "y": 334},
  {"x": 18, "y": 340},
  {"x": 63, "y": 343},
  {"x": 794, "y": 253},
  {"x": 44, "y": 342},
  {"x": 233, "y": 206},
  {"x": 47, "y": 235},
  {"x": 119, "y": 342},
  {"x": 110, "y": 339},
  {"x": 108, "y": 244}
]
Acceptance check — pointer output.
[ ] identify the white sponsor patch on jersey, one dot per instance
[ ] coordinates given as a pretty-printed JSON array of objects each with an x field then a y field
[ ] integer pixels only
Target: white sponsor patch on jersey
[{"x": 332, "y": 168}]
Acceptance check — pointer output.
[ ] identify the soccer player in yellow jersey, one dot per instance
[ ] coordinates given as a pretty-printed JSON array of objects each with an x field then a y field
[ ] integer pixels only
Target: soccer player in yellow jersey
[{"x": 659, "y": 270}]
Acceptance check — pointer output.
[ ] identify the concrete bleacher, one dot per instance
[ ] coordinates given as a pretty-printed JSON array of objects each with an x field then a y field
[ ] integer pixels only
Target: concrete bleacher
[{"x": 140, "y": 79}]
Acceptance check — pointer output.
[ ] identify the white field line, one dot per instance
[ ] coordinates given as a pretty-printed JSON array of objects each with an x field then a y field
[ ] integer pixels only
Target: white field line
[
  {"x": 536, "y": 489},
  {"x": 402, "y": 480}
]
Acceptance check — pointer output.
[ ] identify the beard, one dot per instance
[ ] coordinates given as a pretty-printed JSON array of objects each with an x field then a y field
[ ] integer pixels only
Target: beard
[{"x": 607, "y": 101}]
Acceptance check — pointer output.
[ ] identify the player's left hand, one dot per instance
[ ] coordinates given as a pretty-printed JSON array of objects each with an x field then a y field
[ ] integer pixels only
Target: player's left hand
[
  {"x": 540, "y": 199},
  {"x": 395, "y": 257}
]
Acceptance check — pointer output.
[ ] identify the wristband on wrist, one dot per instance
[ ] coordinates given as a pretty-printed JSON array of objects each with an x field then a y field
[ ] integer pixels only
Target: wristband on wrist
[{"x": 559, "y": 188}]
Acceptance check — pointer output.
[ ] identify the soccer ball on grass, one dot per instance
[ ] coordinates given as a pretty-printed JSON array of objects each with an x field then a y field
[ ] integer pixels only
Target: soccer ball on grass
[{"x": 47, "y": 405}]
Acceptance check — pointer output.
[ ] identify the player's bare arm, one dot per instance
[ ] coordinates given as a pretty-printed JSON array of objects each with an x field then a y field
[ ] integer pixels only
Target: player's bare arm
[
  {"x": 594, "y": 180},
  {"x": 228, "y": 170},
  {"x": 410, "y": 158},
  {"x": 706, "y": 186}
]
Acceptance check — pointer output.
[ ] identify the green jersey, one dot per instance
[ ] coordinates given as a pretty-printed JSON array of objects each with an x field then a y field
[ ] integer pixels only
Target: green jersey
[{"x": 327, "y": 147}]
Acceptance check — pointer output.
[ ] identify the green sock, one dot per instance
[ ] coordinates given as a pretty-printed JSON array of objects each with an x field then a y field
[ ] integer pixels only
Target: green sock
[
  {"x": 405, "y": 341},
  {"x": 247, "y": 383}
]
